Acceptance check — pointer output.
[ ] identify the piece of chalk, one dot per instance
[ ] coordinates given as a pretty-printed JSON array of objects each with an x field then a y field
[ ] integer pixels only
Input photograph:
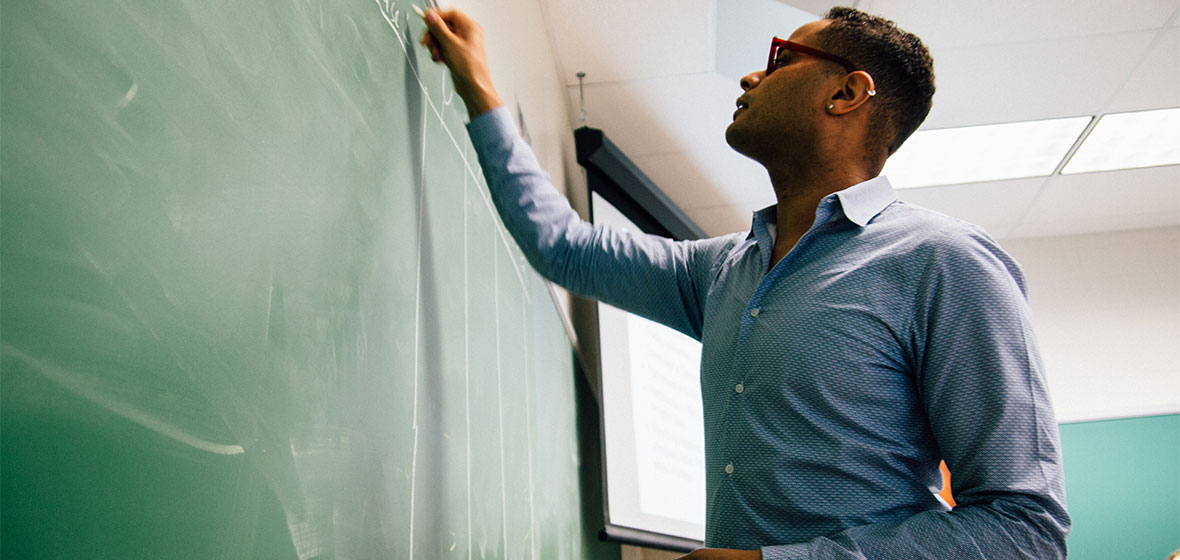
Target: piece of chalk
[{"x": 418, "y": 11}]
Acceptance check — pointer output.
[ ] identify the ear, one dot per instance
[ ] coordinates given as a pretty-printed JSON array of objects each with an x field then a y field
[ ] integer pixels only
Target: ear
[{"x": 856, "y": 89}]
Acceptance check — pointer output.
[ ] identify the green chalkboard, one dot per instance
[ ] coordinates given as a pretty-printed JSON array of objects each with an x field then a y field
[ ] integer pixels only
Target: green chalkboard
[{"x": 254, "y": 302}]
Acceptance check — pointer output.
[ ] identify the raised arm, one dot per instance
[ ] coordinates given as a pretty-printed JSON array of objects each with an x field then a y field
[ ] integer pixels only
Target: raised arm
[{"x": 652, "y": 276}]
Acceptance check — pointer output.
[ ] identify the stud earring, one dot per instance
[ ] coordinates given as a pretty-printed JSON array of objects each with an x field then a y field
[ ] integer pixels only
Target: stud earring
[
  {"x": 831, "y": 107},
  {"x": 872, "y": 92}
]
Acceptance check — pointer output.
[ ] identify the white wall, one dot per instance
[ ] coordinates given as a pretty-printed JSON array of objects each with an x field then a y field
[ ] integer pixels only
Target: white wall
[{"x": 1107, "y": 313}]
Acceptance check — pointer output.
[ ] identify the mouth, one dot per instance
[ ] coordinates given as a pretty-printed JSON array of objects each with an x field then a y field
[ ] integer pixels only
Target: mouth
[{"x": 741, "y": 106}]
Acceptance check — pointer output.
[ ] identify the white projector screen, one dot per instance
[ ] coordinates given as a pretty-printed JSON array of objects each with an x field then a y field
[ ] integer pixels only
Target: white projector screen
[{"x": 653, "y": 425}]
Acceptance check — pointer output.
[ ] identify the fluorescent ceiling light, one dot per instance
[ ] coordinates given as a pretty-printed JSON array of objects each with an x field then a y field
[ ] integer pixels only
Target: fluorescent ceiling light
[
  {"x": 1128, "y": 140},
  {"x": 983, "y": 153}
]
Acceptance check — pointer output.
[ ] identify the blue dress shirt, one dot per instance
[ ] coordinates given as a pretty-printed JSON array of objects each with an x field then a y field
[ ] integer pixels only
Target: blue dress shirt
[{"x": 890, "y": 337}]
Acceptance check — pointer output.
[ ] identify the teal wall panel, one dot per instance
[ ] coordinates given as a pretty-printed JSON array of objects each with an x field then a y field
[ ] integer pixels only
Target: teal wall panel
[{"x": 1122, "y": 481}]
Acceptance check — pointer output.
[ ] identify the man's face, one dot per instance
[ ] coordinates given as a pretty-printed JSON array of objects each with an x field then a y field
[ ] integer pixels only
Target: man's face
[{"x": 780, "y": 111}]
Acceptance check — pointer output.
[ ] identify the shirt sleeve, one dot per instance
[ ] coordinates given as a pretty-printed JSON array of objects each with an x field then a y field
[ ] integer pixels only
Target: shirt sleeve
[
  {"x": 651, "y": 276},
  {"x": 980, "y": 376}
]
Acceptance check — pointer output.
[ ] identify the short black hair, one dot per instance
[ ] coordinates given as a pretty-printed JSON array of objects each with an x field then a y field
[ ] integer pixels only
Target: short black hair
[{"x": 899, "y": 63}]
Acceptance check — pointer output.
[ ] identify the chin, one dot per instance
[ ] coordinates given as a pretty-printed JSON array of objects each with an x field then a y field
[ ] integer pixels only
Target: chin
[
  {"x": 733, "y": 137},
  {"x": 741, "y": 143}
]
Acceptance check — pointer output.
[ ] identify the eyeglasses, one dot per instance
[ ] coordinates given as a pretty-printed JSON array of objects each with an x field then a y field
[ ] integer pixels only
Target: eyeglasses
[{"x": 777, "y": 46}]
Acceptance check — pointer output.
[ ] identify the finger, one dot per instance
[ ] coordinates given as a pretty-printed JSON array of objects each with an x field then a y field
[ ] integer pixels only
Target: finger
[
  {"x": 430, "y": 42},
  {"x": 459, "y": 23},
  {"x": 440, "y": 30}
]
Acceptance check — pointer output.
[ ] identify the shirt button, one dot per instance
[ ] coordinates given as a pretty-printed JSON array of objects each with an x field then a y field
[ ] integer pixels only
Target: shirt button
[
  {"x": 729, "y": 468},
  {"x": 754, "y": 312},
  {"x": 739, "y": 388}
]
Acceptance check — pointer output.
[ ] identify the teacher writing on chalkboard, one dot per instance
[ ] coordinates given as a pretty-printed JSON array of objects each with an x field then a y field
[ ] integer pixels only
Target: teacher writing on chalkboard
[{"x": 850, "y": 341}]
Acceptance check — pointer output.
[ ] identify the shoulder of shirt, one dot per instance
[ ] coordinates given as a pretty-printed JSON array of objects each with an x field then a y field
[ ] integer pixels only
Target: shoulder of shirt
[
  {"x": 934, "y": 226},
  {"x": 931, "y": 233},
  {"x": 947, "y": 243}
]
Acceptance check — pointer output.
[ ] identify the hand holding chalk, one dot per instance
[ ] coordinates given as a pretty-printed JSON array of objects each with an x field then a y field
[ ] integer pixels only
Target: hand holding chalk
[
  {"x": 456, "y": 40},
  {"x": 428, "y": 40}
]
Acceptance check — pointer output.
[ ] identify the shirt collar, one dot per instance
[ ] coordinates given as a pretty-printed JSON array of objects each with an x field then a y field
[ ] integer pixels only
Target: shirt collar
[
  {"x": 863, "y": 201},
  {"x": 860, "y": 202}
]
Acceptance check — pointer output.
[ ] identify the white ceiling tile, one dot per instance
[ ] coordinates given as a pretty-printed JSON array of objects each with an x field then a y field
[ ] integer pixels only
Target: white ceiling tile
[
  {"x": 943, "y": 25},
  {"x": 684, "y": 179},
  {"x": 613, "y": 40},
  {"x": 661, "y": 115},
  {"x": 996, "y": 206},
  {"x": 706, "y": 178},
  {"x": 817, "y": 7},
  {"x": 1155, "y": 83},
  {"x": 1030, "y": 81},
  {"x": 1105, "y": 224},
  {"x": 1109, "y": 194},
  {"x": 745, "y": 28},
  {"x": 720, "y": 220}
]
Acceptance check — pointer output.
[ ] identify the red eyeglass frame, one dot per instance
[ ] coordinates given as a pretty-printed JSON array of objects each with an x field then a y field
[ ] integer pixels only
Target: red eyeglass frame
[{"x": 777, "y": 45}]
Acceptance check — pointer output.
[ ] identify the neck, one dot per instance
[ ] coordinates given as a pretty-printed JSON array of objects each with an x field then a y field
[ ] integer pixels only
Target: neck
[
  {"x": 832, "y": 159},
  {"x": 799, "y": 190}
]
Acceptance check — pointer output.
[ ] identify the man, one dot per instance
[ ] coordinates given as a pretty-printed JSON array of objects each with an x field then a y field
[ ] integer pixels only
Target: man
[{"x": 850, "y": 341}]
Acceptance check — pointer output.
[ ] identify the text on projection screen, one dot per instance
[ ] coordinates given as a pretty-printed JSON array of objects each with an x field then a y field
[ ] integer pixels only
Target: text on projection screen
[{"x": 654, "y": 427}]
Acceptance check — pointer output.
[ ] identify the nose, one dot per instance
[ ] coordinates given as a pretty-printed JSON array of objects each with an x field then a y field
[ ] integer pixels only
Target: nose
[{"x": 751, "y": 80}]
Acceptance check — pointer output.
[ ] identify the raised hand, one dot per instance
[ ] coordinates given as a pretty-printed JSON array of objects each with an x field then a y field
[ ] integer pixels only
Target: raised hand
[{"x": 456, "y": 40}]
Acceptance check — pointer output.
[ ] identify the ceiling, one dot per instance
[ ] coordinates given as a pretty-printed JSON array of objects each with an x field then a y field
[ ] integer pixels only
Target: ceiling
[{"x": 662, "y": 78}]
